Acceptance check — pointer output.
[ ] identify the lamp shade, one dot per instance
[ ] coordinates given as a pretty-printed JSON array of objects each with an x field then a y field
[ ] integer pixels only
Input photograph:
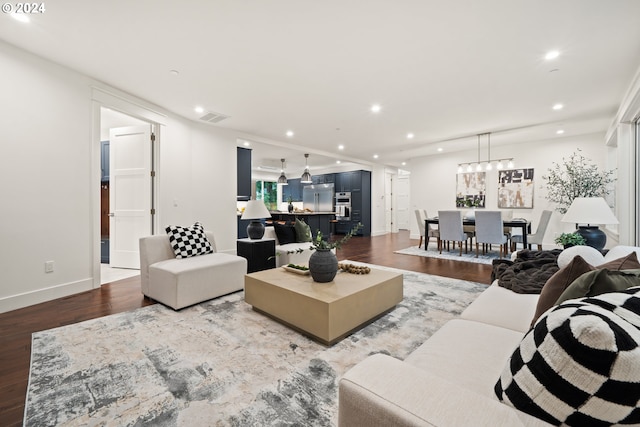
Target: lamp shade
[
  {"x": 255, "y": 209},
  {"x": 283, "y": 178},
  {"x": 589, "y": 210},
  {"x": 306, "y": 176}
]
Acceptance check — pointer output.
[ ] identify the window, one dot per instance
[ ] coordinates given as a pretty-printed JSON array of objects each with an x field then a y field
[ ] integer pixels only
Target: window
[{"x": 268, "y": 192}]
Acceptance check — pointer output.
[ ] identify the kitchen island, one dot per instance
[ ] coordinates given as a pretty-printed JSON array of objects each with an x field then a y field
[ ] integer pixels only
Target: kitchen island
[{"x": 316, "y": 220}]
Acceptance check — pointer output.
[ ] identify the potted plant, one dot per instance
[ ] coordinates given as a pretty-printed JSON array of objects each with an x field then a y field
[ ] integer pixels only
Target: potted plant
[
  {"x": 323, "y": 264},
  {"x": 570, "y": 239},
  {"x": 576, "y": 177}
]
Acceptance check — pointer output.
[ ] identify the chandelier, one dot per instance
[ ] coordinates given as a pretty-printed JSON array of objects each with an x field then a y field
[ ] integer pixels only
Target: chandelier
[{"x": 479, "y": 166}]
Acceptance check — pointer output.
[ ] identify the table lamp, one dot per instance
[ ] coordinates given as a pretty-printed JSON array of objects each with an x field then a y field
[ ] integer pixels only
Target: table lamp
[
  {"x": 590, "y": 210},
  {"x": 255, "y": 211}
]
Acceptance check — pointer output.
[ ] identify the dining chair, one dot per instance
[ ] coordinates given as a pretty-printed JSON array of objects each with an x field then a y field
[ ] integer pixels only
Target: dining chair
[
  {"x": 420, "y": 217},
  {"x": 538, "y": 236},
  {"x": 429, "y": 231},
  {"x": 490, "y": 230},
  {"x": 451, "y": 230}
]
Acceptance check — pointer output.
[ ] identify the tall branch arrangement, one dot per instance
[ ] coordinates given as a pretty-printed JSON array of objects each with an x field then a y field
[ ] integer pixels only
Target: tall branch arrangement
[{"x": 576, "y": 177}]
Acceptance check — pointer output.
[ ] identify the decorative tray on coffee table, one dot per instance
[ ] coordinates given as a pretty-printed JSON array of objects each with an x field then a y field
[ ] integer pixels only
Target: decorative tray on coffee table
[{"x": 304, "y": 272}]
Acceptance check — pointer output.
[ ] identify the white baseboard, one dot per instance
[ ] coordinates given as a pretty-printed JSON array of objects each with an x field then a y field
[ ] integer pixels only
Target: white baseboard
[{"x": 26, "y": 299}]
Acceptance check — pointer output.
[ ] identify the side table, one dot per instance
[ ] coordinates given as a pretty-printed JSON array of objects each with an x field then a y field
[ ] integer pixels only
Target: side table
[{"x": 260, "y": 254}]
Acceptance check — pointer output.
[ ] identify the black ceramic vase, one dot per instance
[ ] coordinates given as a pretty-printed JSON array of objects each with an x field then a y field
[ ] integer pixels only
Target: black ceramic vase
[
  {"x": 323, "y": 265},
  {"x": 290, "y": 208}
]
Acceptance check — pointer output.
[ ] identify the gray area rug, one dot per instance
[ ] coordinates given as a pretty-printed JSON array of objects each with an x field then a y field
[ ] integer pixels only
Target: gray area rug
[
  {"x": 452, "y": 255},
  {"x": 218, "y": 363}
]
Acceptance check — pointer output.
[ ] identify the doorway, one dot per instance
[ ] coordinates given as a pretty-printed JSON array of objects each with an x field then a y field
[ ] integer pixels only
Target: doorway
[
  {"x": 401, "y": 190},
  {"x": 126, "y": 188}
]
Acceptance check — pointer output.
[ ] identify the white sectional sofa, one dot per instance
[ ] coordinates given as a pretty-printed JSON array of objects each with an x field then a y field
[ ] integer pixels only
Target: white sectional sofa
[
  {"x": 283, "y": 256},
  {"x": 183, "y": 282},
  {"x": 449, "y": 380}
]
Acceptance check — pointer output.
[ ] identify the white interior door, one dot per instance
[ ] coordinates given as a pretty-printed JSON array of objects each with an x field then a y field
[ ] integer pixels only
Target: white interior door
[
  {"x": 130, "y": 193},
  {"x": 388, "y": 203},
  {"x": 402, "y": 202}
]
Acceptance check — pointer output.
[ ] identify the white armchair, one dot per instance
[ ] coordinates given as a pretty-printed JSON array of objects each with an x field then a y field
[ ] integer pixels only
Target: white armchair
[{"x": 182, "y": 282}]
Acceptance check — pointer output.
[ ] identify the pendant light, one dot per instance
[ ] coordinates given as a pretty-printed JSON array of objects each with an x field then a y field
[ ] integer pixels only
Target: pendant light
[
  {"x": 489, "y": 167},
  {"x": 282, "y": 179},
  {"x": 489, "y": 161},
  {"x": 306, "y": 176}
]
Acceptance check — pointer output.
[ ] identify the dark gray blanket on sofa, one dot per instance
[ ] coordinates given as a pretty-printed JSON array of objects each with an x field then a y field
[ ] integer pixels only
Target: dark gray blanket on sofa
[{"x": 528, "y": 273}]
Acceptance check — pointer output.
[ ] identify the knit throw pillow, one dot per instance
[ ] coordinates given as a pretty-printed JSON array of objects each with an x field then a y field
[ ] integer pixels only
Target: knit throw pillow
[
  {"x": 580, "y": 364},
  {"x": 188, "y": 241},
  {"x": 303, "y": 231}
]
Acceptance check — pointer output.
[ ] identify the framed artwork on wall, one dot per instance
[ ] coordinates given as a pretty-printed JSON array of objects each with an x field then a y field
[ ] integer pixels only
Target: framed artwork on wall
[
  {"x": 515, "y": 188},
  {"x": 471, "y": 190}
]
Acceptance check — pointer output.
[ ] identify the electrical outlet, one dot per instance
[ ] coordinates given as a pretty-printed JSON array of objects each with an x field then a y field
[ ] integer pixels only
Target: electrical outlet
[{"x": 48, "y": 267}]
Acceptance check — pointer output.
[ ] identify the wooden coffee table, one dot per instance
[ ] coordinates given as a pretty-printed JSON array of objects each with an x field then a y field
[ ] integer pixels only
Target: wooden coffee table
[{"x": 327, "y": 312}]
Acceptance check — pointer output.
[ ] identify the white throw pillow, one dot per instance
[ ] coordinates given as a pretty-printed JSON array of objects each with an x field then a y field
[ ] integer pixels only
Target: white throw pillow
[
  {"x": 621, "y": 251},
  {"x": 591, "y": 255}
]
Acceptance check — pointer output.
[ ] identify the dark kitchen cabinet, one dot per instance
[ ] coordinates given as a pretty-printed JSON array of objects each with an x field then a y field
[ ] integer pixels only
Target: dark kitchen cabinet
[
  {"x": 242, "y": 227},
  {"x": 316, "y": 222},
  {"x": 348, "y": 181},
  {"x": 104, "y": 161},
  {"x": 358, "y": 183},
  {"x": 323, "y": 179},
  {"x": 244, "y": 173},
  {"x": 293, "y": 190}
]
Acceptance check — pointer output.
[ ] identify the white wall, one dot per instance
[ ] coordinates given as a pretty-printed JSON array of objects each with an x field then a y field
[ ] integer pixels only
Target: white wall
[
  {"x": 433, "y": 178},
  {"x": 46, "y": 175},
  {"x": 378, "y": 175},
  {"x": 45, "y": 126}
]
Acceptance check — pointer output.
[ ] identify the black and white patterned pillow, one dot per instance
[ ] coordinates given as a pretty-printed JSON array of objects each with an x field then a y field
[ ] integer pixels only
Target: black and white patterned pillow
[
  {"x": 580, "y": 364},
  {"x": 189, "y": 241}
]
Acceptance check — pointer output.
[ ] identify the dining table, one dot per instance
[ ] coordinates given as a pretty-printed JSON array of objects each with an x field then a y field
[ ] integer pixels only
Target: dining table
[{"x": 523, "y": 224}]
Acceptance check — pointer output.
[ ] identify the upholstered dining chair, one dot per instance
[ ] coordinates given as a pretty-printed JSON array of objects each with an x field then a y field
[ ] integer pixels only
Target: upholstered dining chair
[
  {"x": 426, "y": 232},
  {"x": 420, "y": 217},
  {"x": 538, "y": 236},
  {"x": 450, "y": 227},
  {"x": 489, "y": 231}
]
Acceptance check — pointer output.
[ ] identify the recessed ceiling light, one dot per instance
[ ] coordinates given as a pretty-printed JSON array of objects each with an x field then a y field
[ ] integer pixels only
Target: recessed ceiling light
[
  {"x": 375, "y": 156},
  {"x": 410, "y": 136},
  {"x": 440, "y": 149},
  {"x": 375, "y": 108},
  {"x": 174, "y": 72},
  {"x": 552, "y": 54},
  {"x": 560, "y": 131},
  {"x": 340, "y": 147},
  {"x": 558, "y": 107},
  {"x": 404, "y": 163},
  {"x": 338, "y": 161},
  {"x": 289, "y": 133},
  {"x": 199, "y": 109},
  {"x": 20, "y": 17}
]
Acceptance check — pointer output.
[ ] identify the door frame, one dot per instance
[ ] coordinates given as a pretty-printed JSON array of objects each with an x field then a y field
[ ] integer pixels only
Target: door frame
[{"x": 111, "y": 98}]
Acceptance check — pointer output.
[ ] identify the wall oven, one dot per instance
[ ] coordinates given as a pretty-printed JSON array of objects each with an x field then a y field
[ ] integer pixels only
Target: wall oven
[{"x": 343, "y": 206}]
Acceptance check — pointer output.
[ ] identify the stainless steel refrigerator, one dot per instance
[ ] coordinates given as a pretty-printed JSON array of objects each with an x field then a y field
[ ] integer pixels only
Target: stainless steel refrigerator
[{"x": 318, "y": 197}]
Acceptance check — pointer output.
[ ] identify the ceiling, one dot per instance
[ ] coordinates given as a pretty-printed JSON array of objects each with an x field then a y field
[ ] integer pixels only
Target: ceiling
[{"x": 444, "y": 71}]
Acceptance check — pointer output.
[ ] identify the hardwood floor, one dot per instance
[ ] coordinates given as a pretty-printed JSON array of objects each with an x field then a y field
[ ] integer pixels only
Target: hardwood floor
[{"x": 17, "y": 326}]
